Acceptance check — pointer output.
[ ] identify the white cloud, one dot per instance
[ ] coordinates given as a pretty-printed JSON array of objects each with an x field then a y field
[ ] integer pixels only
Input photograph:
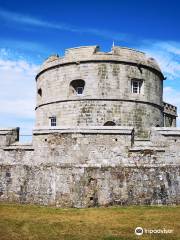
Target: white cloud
[
  {"x": 170, "y": 47},
  {"x": 167, "y": 55},
  {"x": 3, "y": 52},
  {"x": 35, "y": 22},
  {"x": 17, "y": 98},
  {"x": 20, "y": 48}
]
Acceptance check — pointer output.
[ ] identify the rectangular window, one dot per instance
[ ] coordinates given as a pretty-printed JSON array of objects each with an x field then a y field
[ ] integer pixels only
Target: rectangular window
[
  {"x": 136, "y": 86},
  {"x": 79, "y": 90},
  {"x": 52, "y": 121}
]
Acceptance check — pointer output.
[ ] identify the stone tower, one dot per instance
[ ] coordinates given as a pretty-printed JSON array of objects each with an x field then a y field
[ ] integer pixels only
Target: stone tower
[
  {"x": 87, "y": 87},
  {"x": 103, "y": 135}
]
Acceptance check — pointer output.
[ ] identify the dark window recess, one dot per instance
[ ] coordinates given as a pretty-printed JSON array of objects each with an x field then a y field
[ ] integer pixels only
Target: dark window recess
[
  {"x": 40, "y": 92},
  {"x": 77, "y": 86},
  {"x": 8, "y": 174},
  {"x": 109, "y": 123},
  {"x": 79, "y": 90},
  {"x": 170, "y": 122},
  {"x": 52, "y": 121}
]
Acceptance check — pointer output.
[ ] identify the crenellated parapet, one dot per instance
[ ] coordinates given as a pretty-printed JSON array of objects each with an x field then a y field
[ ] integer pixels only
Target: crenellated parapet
[
  {"x": 170, "y": 115},
  {"x": 93, "y": 54}
]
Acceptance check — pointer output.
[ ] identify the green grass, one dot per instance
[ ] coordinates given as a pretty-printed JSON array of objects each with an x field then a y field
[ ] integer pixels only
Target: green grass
[{"x": 29, "y": 222}]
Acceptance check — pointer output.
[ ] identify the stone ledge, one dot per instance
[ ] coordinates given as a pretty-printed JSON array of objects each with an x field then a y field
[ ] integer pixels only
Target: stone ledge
[
  {"x": 5, "y": 131},
  {"x": 167, "y": 131},
  {"x": 121, "y": 130},
  {"x": 149, "y": 148},
  {"x": 100, "y": 99},
  {"x": 19, "y": 146},
  {"x": 94, "y": 166}
]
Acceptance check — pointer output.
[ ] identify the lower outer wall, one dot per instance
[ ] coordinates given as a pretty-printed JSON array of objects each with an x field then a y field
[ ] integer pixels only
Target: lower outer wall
[
  {"x": 142, "y": 116},
  {"x": 89, "y": 186}
]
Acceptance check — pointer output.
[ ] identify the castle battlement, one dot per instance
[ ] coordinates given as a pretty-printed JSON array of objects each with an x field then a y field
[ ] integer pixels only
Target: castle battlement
[
  {"x": 93, "y": 53},
  {"x": 170, "y": 109}
]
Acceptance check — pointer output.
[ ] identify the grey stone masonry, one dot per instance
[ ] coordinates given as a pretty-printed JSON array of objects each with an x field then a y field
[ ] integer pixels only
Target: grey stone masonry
[
  {"x": 8, "y": 136},
  {"x": 170, "y": 114},
  {"x": 92, "y": 167},
  {"x": 123, "y": 86},
  {"x": 102, "y": 136}
]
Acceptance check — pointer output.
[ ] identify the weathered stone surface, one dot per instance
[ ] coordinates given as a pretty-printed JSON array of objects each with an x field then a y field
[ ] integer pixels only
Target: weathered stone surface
[
  {"x": 92, "y": 167},
  {"x": 90, "y": 186},
  {"x": 80, "y": 162}
]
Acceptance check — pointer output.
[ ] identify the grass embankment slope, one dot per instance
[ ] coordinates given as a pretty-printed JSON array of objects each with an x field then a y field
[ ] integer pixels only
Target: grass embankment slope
[{"x": 25, "y": 222}]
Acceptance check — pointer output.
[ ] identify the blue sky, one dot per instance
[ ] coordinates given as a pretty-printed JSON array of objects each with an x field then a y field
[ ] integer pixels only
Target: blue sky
[{"x": 33, "y": 30}]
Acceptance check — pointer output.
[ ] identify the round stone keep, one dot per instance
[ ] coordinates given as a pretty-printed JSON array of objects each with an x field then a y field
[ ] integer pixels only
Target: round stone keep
[{"x": 88, "y": 87}]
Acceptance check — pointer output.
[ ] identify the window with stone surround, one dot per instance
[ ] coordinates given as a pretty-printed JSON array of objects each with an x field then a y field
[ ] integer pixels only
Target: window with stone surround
[
  {"x": 52, "y": 121},
  {"x": 77, "y": 87},
  {"x": 136, "y": 86}
]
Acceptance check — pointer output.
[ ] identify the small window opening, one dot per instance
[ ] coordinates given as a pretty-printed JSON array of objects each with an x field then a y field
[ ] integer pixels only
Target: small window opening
[
  {"x": 109, "y": 123},
  {"x": 40, "y": 92},
  {"x": 136, "y": 86},
  {"x": 77, "y": 87},
  {"x": 79, "y": 90},
  {"x": 8, "y": 174},
  {"x": 52, "y": 121}
]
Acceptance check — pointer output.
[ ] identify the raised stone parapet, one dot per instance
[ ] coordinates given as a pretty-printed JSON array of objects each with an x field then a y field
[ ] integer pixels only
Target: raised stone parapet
[
  {"x": 120, "y": 130},
  {"x": 104, "y": 145},
  {"x": 8, "y": 136},
  {"x": 170, "y": 115},
  {"x": 19, "y": 147},
  {"x": 165, "y": 134},
  {"x": 92, "y": 53}
]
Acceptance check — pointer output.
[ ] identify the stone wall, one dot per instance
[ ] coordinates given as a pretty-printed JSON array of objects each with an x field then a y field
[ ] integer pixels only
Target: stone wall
[
  {"x": 80, "y": 162},
  {"x": 90, "y": 186},
  {"x": 95, "y": 166},
  {"x": 170, "y": 114},
  {"x": 98, "y": 112},
  {"x": 8, "y": 136},
  {"x": 92, "y": 146}
]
